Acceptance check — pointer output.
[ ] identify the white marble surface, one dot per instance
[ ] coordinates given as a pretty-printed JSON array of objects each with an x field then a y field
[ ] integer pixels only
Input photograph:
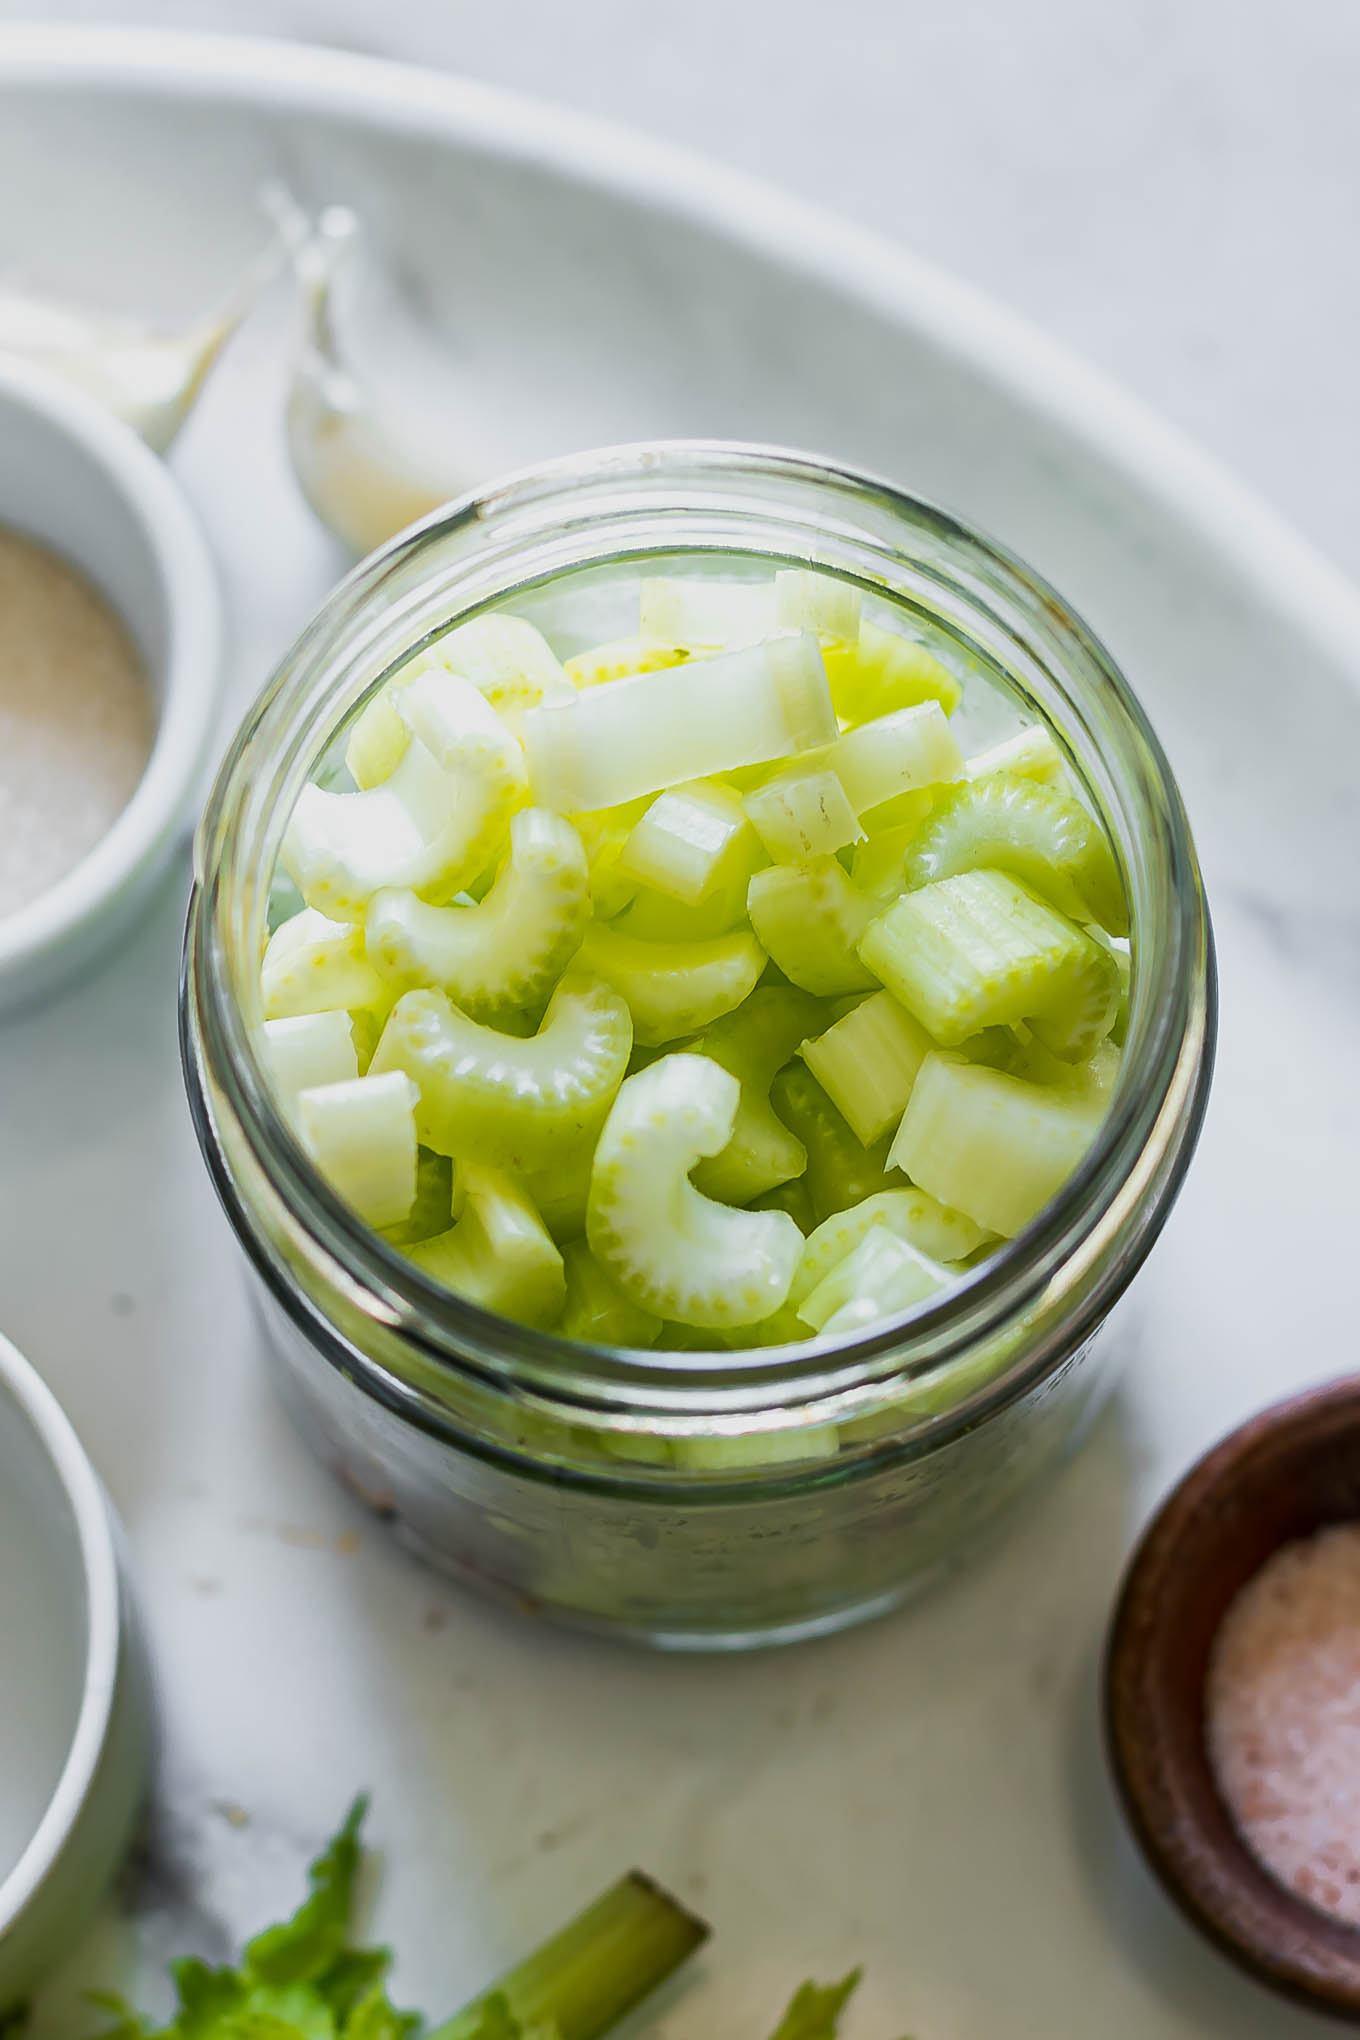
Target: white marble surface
[{"x": 928, "y": 1794}]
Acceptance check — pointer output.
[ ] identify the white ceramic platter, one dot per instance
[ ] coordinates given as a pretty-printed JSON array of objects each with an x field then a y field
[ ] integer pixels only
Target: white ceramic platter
[{"x": 927, "y": 1795}]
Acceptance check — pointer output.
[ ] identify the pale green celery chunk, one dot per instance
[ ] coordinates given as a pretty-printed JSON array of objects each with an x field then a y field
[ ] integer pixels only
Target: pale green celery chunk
[
  {"x": 673, "y": 988},
  {"x": 902, "y": 815},
  {"x": 840, "y": 1170},
  {"x": 912, "y": 1214},
  {"x": 1031, "y": 753},
  {"x": 597, "y": 1308},
  {"x": 881, "y": 1274},
  {"x": 689, "y": 842},
  {"x": 440, "y": 1199},
  {"x": 509, "y": 951},
  {"x": 878, "y": 866},
  {"x": 1123, "y": 963},
  {"x": 503, "y": 1100},
  {"x": 672, "y": 1250},
  {"x": 611, "y": 744},
  {"x": 362, "y": 1136},
  {"x": 783, "y": 1327},
  {"x": 306, "y": 1050},
  {"x": 753, "y": 1043},
  {"x": 1048, "y": 841},
  {"x": 793, "y": 1197},
  {"x": 315, "y": 965},
  {"x": 461, "y": 730},
  {"x": 653, "y": 917},
  {"x": 425, "y": 828},
  {"x": 703, "y": 614},
  {"x": 734, "y": 1454},
  {"x": 809, "y": 917},
  {"x": 895, "y": 754},
  {"x": 989, "y": 1144},
  {"x": 499, "y": 1255},
  {"x": 1091, "y": 1081},
  {"x": 977, "y": 950},
  {"x": 604, "y": 664},
  {"x": 803, "y": 814},
  {"x": 604, "y": 835},
  {"x": 377, "y": 741},
  {"x": 867, "y": 1063},
  {"x": 881, "y": 672},
  {"x": 828, "y": 607},
  {"x": 506, "y": 659}
]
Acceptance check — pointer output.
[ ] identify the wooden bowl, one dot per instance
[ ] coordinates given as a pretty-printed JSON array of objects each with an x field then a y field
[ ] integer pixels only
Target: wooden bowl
[{"x": 1288, "y": 1472}]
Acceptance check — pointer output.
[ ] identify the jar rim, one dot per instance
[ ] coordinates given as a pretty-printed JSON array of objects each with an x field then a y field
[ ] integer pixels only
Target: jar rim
[{"x": 1128, "y": 1177}]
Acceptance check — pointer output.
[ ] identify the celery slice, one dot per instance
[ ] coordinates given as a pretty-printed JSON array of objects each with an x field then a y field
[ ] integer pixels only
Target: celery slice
[
  {"x": 881, "y": 1274},
  {"x": 503, "y": 1100},
  {"x": 377, "y": 741},
  {"x": 977, "y": 950},
  {"x": 673, "y": 988},
  {"x": 752, "y": 1044},
  {"x": 510, "y": 950},
  {"x": 316, "y": 965},
  {"x": 840, "y": 1170},
  {"x": 361, "y": 1134},
  {"x": 597, "y": 1308},
  {"x": 653, "y": 917},
  {"x": 440, "y": 1199},
  {"x": 880, "y": 672},
  {"x": 799, "y": 815},
  {"x": 461, "y": 730},
  {"x": 867, "y": 1063},
  {"x": 896, "y": 754},
  {"x": 793, "y": 1197},
  {"x": 703, "y": 614},
  {"x": 989, "y": 1144},
  {"x": 604, "y": 834},
  {"x": 689, "y": 842},
  {"x": 1040, "y": 836},
  {"x": 828, "y": 607},
  {"x": 1032, "y": 753},
  {"x": 561, "y": 1190},
  {"x": 610, "y": 744},
  {"x": 622, "y": 659},
  {"x": 308, "y": 1049},
  {"x": 672, "y": 1250},
  {"x": 507, "y": 660},
  {"x": 912, "y": 1214},
  {"x": 902, "y": 815},
  {"x": 810, "y": 918},
  {"x": 878, "y": 866},
  {"x": 499, "y": 1255}
]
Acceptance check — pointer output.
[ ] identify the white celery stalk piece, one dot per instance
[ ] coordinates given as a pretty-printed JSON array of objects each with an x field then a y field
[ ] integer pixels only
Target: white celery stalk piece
[
  {"x": 669, "y": 1248},
  {"x": 867, "y": 1063},
  {"x": 499, "y": 1255},
  {"x": 809, "y": 918},
  {"x": 461, "y": 730},
  {"x": 934, "y": 1229},
  {"x": 507, "y": 660},
  {"x": 914, "y": 747},
  {"x": 705, "y": 614},
  {"x": 828, "y": 607},
  {"x": 621, "y": 659},
  {"x": 688, "y": 841},
  {"x": 989, "y": 1144},
  {"x": 315, "y": 965},
  {"x": 1031, "y": 753},
  {"x": 673, "y": 988},
  {"x": 803, "y": 814},
  {"x": 508, "y": 951},
  {"x": 306, "y": 1050},
  {"x": 881, "y": 1274},
  {"x": 377, "y": 740},
  {"x": 642, "y": 735},
  {"x": 361, "y": 1134}
]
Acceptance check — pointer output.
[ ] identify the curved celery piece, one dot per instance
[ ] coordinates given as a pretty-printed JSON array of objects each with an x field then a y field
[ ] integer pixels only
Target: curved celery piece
[
  {"x": 503, "y": 1100},
  {"x": 309, "y": 1049},
  {"x": 878, "y": 1278},
  {"x": 610, "y": 744},
  {"x": 896, "y": 754},
  {"x": 440, "y": 1198},
  {"x": 621, "y": 659},
  {"x": 672, "y": 1250},
  {"x": 752, "y": 1043},
  {"x": 1032, "y": 753},
  {"x": 597, "y": 1309},
  {"x": 880, "y": 672},
  {"x": 377, "y": 741},
  {"x": 802, "y": 814},
  {"x": 878, "y": 865},
  {"x": 499, "y": 1255},
  {"x": 507, "y": 660},
  {"x": 362, "y": 1136},
  {"x": 315, "y": 965},
  {"x": 867, "y": 1062},
  {"x": 510, "y": 950},
  {"x": 912, "y": 1214},
  {"x": 810, "y": 918},
  {"x": 1040, "y": 836},
  {"x": 690, "y": 842},
  {"x": 673, "y": 988},
  {"x": 840, "y": 1169},
  {"x": 704, "y": 614}
]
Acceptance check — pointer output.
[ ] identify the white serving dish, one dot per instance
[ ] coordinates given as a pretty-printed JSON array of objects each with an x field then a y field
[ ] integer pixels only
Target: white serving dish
[
  {"x": 927, "y": 1795},
  {"x": 75, "y": 1700},
  {"x": 84, "y": 484}
]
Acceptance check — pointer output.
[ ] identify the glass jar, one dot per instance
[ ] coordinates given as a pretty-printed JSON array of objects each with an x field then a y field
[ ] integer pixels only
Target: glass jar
[{"x": 689, "y": 1499}]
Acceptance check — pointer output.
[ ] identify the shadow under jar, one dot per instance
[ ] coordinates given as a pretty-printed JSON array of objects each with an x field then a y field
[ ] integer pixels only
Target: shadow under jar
[{"x": 843, "y": 1474}]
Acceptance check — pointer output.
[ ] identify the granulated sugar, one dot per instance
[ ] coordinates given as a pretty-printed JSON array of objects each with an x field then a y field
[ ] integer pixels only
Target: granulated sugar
[
  {"x": 1284, "y": 1717},
  {"x": 76, "y": 719}
]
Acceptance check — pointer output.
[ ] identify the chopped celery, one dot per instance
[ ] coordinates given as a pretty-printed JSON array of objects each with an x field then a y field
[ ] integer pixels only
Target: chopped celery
[
  {"x": 672, "y": 1250},
  {"x": 810, "y": 919},
  {"x": 867, "y": 1063},
  {"x": 361, "y": 1133},
  {"x": 690, "y": 842},
  {"x": 881, "y": 672},
  {"x": 440, "y": 1198},
  {"x": 896, "y": 754},
  {"x": 803, "y": 814},
  {"x": 977, "y": 950},
  {"x": 1030, "y": 754},
  {"x": 934, "y": 1229},
  {"x": 673, "y": 988},
  {"x": 499, "y": 1254},
  {"x": 878, "y": 867},
  {"x": 753, "y": 1043},
  {"x": 377, "y": 741},
  {"x": 840, "y": 1170},
  {"x": 316, "y": 965},
  {"x": 793, "y": 1197},
  {"x": 828, "y": 607},
  {"x": 510, "y": 950},
  {"x": 902, "y": 815},
  {"x": 990, "y": 1144},
  {"x": 1041, "y": 837},
  {"x": 705, "y": 614},
  {"x": 610, "y": 744},
  {"x": 881, "y": 1274},
  {"x": 604, "y": 835},
  {"x": 597, "y": 1308},
  {"x": 503, "y": 1100},
  {"x": 560, "y": 1191},
  {"x": 622, "y": 659},
  {"x": 507, "y": 661},
  {"x": 308, "y": 1049},
  {"x": 653, "y": 917},
  {"x": 460, "y": 730}
]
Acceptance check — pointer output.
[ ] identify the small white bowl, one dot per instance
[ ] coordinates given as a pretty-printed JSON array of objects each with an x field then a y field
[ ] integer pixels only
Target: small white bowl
[
  {"x": 75, "y": 1696},
  {"x": 82, "y": 482}
]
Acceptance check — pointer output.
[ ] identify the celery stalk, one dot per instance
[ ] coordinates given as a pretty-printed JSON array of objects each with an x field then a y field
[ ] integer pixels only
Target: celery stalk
[
  {"x": 688, "y": 842},
  {"x": 867, "y": 1063}
]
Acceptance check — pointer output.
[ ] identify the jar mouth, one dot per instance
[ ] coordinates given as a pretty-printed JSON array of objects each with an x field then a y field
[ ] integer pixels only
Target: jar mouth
[{"x": 694, "y": 496}]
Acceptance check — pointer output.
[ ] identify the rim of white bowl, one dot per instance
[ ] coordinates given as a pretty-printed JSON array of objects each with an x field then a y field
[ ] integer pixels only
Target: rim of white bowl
[
  {"x": 99, "y": 1563},
  {"x": 190, "y": 685}
]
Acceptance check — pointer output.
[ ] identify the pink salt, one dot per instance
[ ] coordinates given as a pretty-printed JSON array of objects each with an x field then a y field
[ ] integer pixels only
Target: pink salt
[{"x": 1283, "y": 1704}]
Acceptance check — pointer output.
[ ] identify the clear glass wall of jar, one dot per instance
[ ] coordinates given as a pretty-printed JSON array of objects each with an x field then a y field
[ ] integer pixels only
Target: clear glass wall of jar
[{"x": 692, "y": 1499}]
